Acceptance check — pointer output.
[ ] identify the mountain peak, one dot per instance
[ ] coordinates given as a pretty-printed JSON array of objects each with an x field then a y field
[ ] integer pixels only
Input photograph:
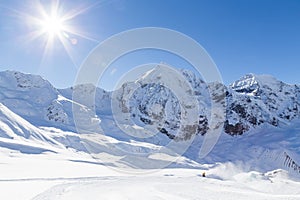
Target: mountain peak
[
  {"x": 22, "y": 81},
  {"x": 156, "y": 74},
  {"x": 251, "y": 83}
]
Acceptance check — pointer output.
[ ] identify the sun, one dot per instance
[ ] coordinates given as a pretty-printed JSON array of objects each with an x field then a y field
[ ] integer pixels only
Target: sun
[{"x": 53, "y": 25}]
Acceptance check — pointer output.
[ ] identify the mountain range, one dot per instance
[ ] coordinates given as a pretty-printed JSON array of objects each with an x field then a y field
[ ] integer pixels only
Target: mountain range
[{"x": 36, "y": 117}]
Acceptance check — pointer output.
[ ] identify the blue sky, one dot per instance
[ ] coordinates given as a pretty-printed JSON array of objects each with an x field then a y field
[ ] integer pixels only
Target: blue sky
[{"x": 245, "y": 36}]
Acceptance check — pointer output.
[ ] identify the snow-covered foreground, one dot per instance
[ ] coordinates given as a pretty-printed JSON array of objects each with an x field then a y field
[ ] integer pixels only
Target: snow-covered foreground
[{"x": 56, "y": 176}]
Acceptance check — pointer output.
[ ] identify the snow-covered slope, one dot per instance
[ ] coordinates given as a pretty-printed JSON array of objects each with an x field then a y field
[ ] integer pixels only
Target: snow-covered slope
[
  {"x": 52, "y": 177},
  {"x": 17, "y": 133}
]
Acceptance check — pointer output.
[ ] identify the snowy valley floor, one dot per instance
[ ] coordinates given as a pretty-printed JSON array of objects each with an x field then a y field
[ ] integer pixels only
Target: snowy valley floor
[{"x": 55, "y": 176}]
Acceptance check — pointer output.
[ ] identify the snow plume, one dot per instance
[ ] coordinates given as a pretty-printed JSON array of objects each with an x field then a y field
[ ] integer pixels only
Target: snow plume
[{"x": 228, "y": 170}]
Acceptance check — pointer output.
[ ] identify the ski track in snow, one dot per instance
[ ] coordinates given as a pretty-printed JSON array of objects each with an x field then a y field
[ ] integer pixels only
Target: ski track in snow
[
  {"x": 160, "y": 187},
  {"x": 54, "y": 177}
]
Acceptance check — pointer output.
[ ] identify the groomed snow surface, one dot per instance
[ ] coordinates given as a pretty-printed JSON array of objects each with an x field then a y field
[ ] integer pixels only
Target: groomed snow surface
[{"x": 69, "y": 177}]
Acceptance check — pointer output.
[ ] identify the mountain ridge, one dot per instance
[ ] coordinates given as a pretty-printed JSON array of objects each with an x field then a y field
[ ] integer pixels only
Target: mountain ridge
[{"x": 250, "y": 101}]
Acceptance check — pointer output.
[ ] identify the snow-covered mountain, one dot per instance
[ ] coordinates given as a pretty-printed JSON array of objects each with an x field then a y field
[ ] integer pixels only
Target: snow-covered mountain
[
  {"x": 33, "y": 98},
  {"x": 163, "y": 98},
  {"x": 36, "y": 100},
  {"x": 252, "y": 101},
  {"x": 255, "y": 100},
  {"x": 143, "y": 116}
]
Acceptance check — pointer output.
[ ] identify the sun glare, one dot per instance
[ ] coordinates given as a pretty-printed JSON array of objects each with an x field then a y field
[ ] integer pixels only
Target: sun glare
[{"x": 52, "y": 25}]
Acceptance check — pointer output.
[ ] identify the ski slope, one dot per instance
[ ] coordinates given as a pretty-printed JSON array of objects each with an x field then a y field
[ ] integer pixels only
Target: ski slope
[{"x": 62, "y": 177}]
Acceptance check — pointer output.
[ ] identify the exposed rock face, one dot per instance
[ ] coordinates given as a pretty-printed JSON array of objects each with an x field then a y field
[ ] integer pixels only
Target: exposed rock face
[
  {"x": 260, "y": 99},
  {"x": 248, "y": 103},
  {"x": 176, "y": 103}
]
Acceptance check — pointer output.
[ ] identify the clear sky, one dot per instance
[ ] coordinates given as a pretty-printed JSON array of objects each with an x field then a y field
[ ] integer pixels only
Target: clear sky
[{"x": 241, "y": 36}]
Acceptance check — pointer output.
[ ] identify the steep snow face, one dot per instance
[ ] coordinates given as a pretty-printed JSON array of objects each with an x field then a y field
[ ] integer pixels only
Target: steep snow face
[
  {"x": 18, "y": 134},
  {"x": 13, "y": 126},
  {"x": 260, "y": 99}
]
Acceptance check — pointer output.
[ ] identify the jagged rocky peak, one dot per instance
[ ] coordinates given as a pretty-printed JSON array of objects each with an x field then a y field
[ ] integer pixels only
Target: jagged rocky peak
[
  {"x": 260, "y": 99},
  {"x": 247, "y": 84},
  {"x": 251, "y": 84}
]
